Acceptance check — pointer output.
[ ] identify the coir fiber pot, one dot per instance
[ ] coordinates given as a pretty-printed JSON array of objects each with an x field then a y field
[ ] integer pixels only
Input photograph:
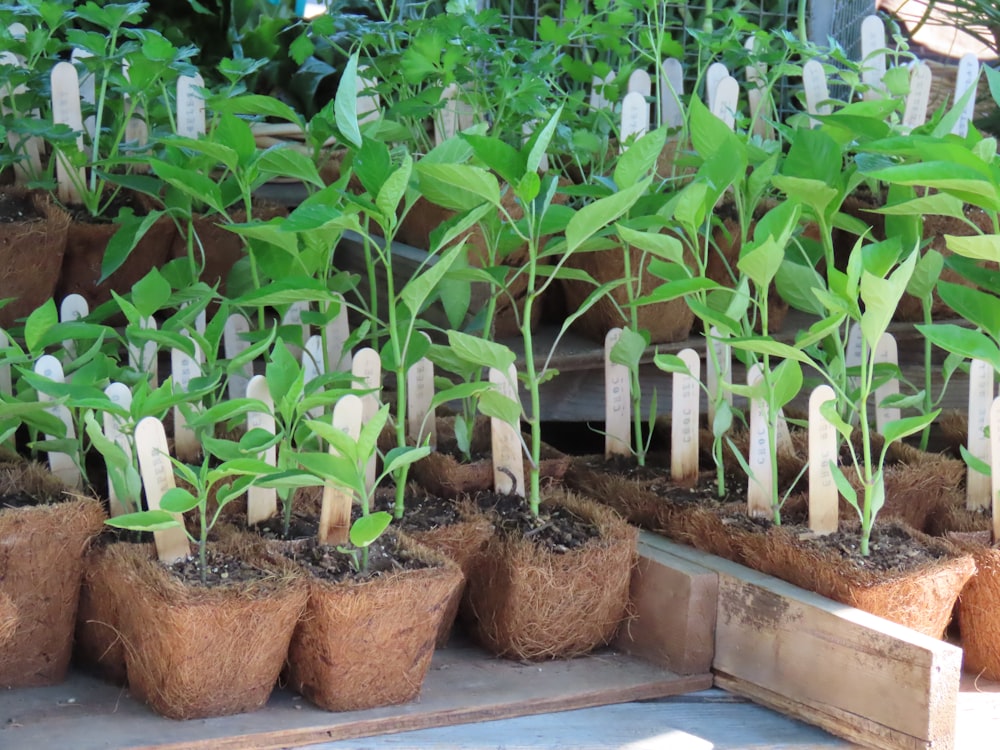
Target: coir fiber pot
[
  {"x": 8, "y": 618},
  {"x": 194, "y": 651},
  {"x": 368, "y": 642},
  {"x": 524, "y": 601},
  {"x": 32, "y": 244},
  {"x": 41, "y": 564}
]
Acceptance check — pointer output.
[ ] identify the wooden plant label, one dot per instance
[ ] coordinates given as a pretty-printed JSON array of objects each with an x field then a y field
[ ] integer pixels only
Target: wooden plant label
[
  {"x": 367, "y": 368},
  {"x": 190, "y": 106},
  {"x": 915, "y": 112},
  {"x": 136, "y": 131},
  {"x": 640, "y": 82},
  {"x": 782, "y": 437},
  {"x": 508, "y": 460},
  {"x": 617, "y": 402},
  {"x": 713, "y": 77},
  {"x": 30, "y": 148},
  {"x": 727, "y": 95},
  {"x": 995, "y": 465},
  {"x": 338, "y": 331},
  {"x": 684, "y": 420},
  {"x": 293, "y": 317},
  {"x": 759, "y": 489},
  {"x": 421, "y": 424},
  {"x": 671, "y": 90},
  {"x": 262, "y": 502},
  {"x": 88, "y": 88},
  {"x": 966, "y": 78},
  {"x": 886, "y": 352},
  {"x": 597, "y": 98},
  {"x": 66, "y": 111},
  {"x": 143, "y": 357},
  {"x": 853, "y": 351},
  {"x": 119, "y": 395},
  {"x": 184, "y": 368},
  {"x": 756, "y": 87},
  {"x": 234, "y": 343},
  {"x": 368, "y": 105},
  {"x": 981, "y": 394},
  {"x": 335, "y": 516},
  {"x": 635, "y": 118},
  {"x": 824, "y": 499},
  {"x": 714, "y": 378},
  {"x": 816, "y": 88},
  {"x": 873, "y": 64},
  {"x": 6, "y": 384},
  {"x": 73, "y": 307},
  {"x": 157, "y": 478},
  {"x": 60, "y": 464}
]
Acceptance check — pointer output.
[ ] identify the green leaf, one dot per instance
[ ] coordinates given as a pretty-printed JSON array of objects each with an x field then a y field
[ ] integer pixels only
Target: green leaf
[
  {"x": 786, "y": 382},
  {"x": 286, "y": 162},
  {"x": 926, "y": 274},
  {"x": 829, "y": 411},
  {"x": 900, "y": 428},
  {"x": 481, "y": 352},
  {"x": 418, "y": 289},
  {"x": 459, "y": 187},
  {"x": 962, "y": 341},
  {"x": 394, "y": 188},
  {"x": 976, "y": 464},
  {"x": 639, "y": 160},
  {"x": 977, "y": 247},
  {"x": 844, "y": 487},
  {"x": 664, "y": 246},
  {"x": 494, "y": 404},
  {"x": 539, "y": 142},
  {"x": 760, "y": 262},
  {"x": 401, "y": 456},
  {"x": 131, "y": 229},
  {"x": 38, "y": 324},
  {"x": 147, "y": 520},
  {"x": 977, "y": 307},
  {"x": 178, "y": 500},
  {"x": 600, "y": 214},
  {"x": 813, "y": 193},
  {"x": 368, "y": 528},
  {"x": 346, "y": 103},
  {"x": 151, "y": 293},
  {"x": 795, "y": 283},
  {"x": 629, "y": 348},
  {"x": 671, "y": 363}
]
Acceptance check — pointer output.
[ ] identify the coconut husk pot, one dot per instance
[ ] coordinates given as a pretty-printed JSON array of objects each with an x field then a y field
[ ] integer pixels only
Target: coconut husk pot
[
  {"x": 526, "y": 601},
  {"x": 194, "y": 651},
  {"x": 41, "y": 559},
  {"x": 31, "y": 252},
  {"x": 368, "y": 642},
  {"x": 86, "y": 242},
  {"x": 8, "y": 618},
  {"x": 979, "y": 613}
]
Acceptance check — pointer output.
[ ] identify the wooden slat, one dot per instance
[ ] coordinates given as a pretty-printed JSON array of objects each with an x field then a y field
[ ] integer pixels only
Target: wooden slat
[{"x": 859, "y": 676}]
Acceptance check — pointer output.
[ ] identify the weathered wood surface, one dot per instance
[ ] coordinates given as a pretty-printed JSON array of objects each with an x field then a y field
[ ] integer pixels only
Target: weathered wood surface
[
  {"x": 464, "y": 685},
  {"x": 859, "y": 676}
]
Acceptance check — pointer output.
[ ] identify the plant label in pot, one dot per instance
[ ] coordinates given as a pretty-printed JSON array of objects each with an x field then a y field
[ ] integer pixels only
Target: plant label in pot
[
  {"x": 157, "y": 479},
  {"x": 617, "y": 399}
]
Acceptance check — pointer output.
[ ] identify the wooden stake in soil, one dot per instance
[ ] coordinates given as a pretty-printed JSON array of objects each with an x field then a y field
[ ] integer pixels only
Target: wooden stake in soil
[
  {"x": 234, "y": 343},
  {"x": 671, "y": 90},
  {"x": 335, "y": 516},
  {"x": 823, "y": 497},
  {"x": 143, "y": 356},
  {"x": 421, "y": 424},
  {"x": 617, "y": 402},
  {"x": 915, "y": 112},
  {"x": 367, "y": 368},
  {"x": 61, "y": 464},
  {"x": 713, "y": 77},
  {"x": 262, "y": 502},
  {"x": 727, "y": 96},
  {"x": 760, "y": 486},
  {"x": 190, "y": 106},
  {"x": 120, "y": 396},
  {"x": 685, "y": 408},
  {"x": 338, "y": 331},
  {"x": 635, "y": 118},
  {"x": 886, "y": 353},
  {"x": 508, "y": 460},
  {"x": 158, "y": 477},
  {"x": 183, "y": 368},
  {"x": 995, "y": 465},
  {"x": 718, "y": 370},
  {"x": 981, "y": 394},
  {"x": 966, "y": 79},
  {"x": 873, "y": 64},
  {"x": 66, "y": 111}
]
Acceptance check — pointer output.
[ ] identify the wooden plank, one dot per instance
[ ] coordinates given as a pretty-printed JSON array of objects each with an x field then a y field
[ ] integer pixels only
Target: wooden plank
[
  {"x": 464, "y": 685},
  {"x": 856, "y": 675},
  {"x": 674, "y": 605}
]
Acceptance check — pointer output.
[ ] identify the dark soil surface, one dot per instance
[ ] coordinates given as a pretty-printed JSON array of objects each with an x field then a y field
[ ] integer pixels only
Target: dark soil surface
[
  {"x": 557, "y": 529},
  {"x": 332, "y": 564},
  {"x": 220, "y": 570},
  {"x": 18, "y": 500},
  {"x": 301, "y": 527},
  {"x": 123, "y": 199},
  {"x": 423, "y": 512},
  {"x": 15, "y": 208}
]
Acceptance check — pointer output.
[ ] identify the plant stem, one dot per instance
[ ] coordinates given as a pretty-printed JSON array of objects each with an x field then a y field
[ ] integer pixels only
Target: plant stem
[{"x": 928, "y": 401}]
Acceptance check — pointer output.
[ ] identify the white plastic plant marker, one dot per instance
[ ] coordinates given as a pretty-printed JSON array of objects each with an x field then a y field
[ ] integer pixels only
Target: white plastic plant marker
[
  {"x": 685, "y": 409},
  {"x": 454, "y": 116},
  {"x": 335, "y": 515},
  {"x": 508, "y": 460},
  {"x": 190, "y": 106},
  {"x": 136, "y": 130},
  {"x": 28, "y": 148},
  {"x": 760, "y": 486},
  {"x": 886, "y": 352},
  {"x": 312, "y": 366},
  {"x": 671, "y": 90},
  {"x": 713, "y": 77},
  {"x": 17, "y": 30},
  {"x": 421, "y": 424},
  {"x": 824, "y": 500},
  {"x": 640, "y": 82},
  {"x": 915, "y": 111},
  {"x": 873, "y": 63},
  {"x": 967, "y": 78},
  {"x": 368, "y": 105},
  {"x": 981, "y": 395},
  {"x": 234, "y": 343},
  {"x": 61, "y": 464},
  {"x": 143, "y": 356},
  {"x": 73, "y": 307},
  {"x": 6, "y": 384},
  {"x": 816, "y": 89},
  {"x": 121, "y": 396},
  {"x": 782, "y": 436},
  {"x": 617, "y": 402},
  {"x": 293, "y": 317},
  {"x": 598, "y": 99},
  {"x": 66, "y": 111},
  {"x": 262, "y": 502},
  {"x": 995, "y": 465},
  {"x": 756, "y": 74},
  {"x": 367, "y": 368},
  {"x": 338, "y": 331},
  {"x": 157, "y": 478},
  {"x": 718, "y": 370},
  {"x": 726, "y": 102},
  {"x": 183, "y": 368},
  {"x": 635, "y": 118},
  {"x": 88, "y": 87}
]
